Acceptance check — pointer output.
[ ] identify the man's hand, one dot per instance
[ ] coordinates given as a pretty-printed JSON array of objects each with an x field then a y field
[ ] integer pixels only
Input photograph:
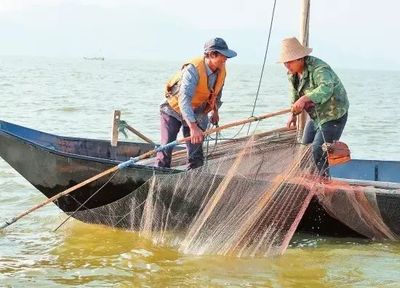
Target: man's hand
[
  {"x": 214, "y": 117},
  {"x": 298, "y": 106},
  {"x": 196, "y": 135},
  {"x": 292, "y": 121}
]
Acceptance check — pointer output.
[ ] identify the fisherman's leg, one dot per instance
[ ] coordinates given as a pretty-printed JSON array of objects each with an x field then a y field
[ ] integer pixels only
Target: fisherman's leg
[
  {"x": 319, "y": 155},
  {"x": 309, "y": 136},
  {"x": 194, "y": 151},
  {"x": 309, "y": 132},
  {"x": 169, "y": 129},
  {"x": 313, "y": 135},
  {"x": 333, "y": 129},
  {"x": 329, "y": 132}
]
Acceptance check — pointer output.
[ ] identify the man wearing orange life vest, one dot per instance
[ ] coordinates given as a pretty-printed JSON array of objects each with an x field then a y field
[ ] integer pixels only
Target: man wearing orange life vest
[{"x": 191, "y": 94}]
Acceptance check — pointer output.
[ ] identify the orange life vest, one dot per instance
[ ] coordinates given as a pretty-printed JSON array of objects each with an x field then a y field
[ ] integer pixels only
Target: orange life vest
[{"x": 202, "y": 93}]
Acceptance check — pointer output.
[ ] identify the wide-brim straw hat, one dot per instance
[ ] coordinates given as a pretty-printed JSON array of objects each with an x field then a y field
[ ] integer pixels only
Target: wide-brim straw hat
[{"x": 292, "y": 49}]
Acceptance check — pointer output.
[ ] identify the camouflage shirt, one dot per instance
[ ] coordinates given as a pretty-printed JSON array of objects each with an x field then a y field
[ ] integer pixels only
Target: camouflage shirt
[{"x": 320, "y": 83}]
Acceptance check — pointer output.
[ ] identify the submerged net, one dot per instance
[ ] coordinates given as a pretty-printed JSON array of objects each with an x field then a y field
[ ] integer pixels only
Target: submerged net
[{"x": 247, "y": 200}]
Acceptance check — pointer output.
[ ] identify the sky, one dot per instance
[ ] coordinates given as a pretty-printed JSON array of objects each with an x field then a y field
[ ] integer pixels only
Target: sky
[{"x": 348, "y": 33}]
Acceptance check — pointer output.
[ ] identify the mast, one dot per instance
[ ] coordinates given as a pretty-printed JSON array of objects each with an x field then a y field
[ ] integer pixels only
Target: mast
[{"x": 304, "y": 33}]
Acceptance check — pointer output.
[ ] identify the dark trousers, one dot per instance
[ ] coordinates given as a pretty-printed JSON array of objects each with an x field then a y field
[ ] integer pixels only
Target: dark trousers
[
  {"x": 328, "y": 132},
  {"x": 170, "y": 127}
]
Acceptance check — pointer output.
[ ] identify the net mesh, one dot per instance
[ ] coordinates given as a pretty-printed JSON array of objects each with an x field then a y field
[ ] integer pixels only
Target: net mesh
[
  {"x": 357, "y": 207},
  {"x": 247, "y": 200},
  {"x": 240, "y": 203}
]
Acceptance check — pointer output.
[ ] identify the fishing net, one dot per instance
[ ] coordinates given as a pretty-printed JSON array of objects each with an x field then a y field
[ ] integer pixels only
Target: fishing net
[
  {"x": 357, "y": 207},
  {"x": 247, "y": 200},
  {"x": 244, "y": 202}
]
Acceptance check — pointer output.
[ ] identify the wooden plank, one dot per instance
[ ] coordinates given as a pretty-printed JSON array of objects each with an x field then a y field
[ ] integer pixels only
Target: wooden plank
[
  {"x": 377, "y": 184},
  {"x": 114, "y": 130}
]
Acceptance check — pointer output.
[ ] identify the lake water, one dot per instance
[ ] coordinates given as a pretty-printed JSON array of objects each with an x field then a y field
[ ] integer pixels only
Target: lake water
[{"x": 76, "y": 97}]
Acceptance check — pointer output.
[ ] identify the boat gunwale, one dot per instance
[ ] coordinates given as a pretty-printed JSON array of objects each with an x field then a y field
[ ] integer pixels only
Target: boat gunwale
[{"x": 55, "y": 151}]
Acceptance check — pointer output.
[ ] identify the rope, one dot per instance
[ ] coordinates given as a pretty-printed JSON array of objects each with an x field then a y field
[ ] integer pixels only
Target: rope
[
  {"x": 324, "y": 139},
  {"x": 94, "y": 194},
  {"x": 209, "y": 139},
  {"x": 263, "y": 66}
]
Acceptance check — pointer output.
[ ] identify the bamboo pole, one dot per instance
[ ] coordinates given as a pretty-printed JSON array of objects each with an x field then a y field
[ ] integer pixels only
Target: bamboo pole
[
  {"x": 305, "y": 22},
  {"x": 304, "y": 37},
  {"x": 178, "y": 155},
  {"x": 55, "y": 197},
  {"x": 205, "y": 133},
  {"x": 137, "y": 133},
  {"x": 134, "y": 160}
]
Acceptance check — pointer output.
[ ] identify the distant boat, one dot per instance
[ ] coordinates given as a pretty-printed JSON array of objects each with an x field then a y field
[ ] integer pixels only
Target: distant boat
[{"x": 94, "y": 58}]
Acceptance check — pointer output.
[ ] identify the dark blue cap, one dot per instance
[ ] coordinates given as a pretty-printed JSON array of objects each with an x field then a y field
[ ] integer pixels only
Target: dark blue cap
[{"x": 219, "y": 45}]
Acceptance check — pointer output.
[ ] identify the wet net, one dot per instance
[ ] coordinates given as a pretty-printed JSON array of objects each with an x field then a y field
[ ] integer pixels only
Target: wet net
[
  {"x": 357, "y": 207},
  {"x": 247, "y": 200},
  {"x": 241, "y": 202}
]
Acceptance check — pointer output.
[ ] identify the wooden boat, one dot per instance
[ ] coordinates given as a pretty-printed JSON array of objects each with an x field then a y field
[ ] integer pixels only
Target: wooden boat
[
  {"x": 54, "y": 163},
  {"x": 94, "y": 58}
]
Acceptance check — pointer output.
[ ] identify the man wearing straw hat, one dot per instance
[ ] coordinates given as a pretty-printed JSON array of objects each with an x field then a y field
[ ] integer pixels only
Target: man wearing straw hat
[
  {"x": 316, "y": 88},
  {"x": 193, "y": 92}
]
